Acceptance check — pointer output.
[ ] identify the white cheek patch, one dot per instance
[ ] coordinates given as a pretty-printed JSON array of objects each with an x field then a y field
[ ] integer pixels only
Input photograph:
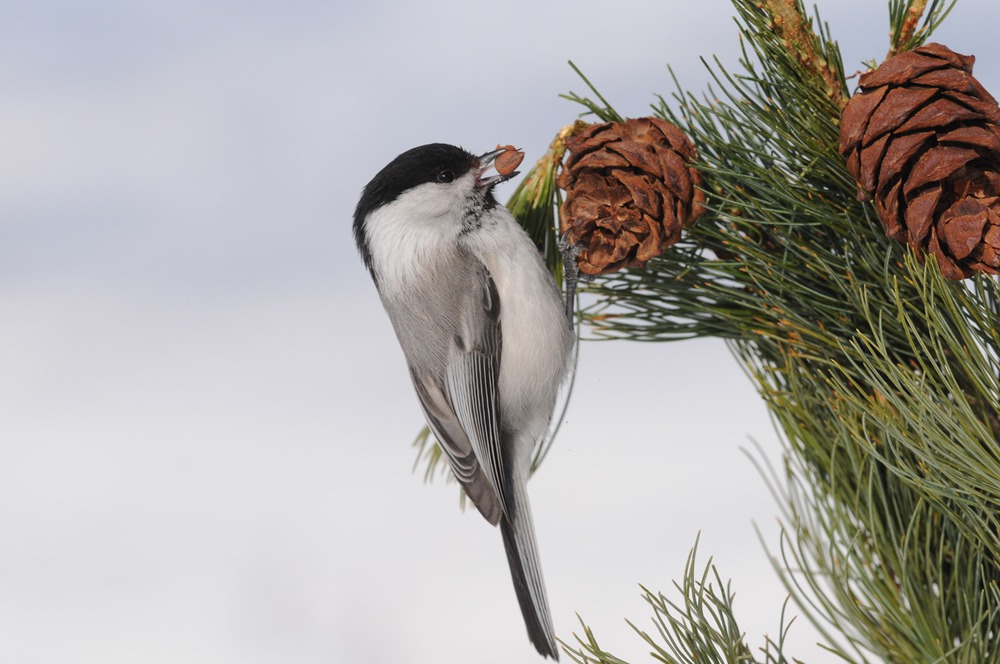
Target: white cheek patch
[{"x": 407, "y": 234}]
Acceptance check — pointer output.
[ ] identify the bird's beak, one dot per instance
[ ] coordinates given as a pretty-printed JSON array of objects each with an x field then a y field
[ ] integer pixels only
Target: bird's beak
[{"x": 485, "y": 161}]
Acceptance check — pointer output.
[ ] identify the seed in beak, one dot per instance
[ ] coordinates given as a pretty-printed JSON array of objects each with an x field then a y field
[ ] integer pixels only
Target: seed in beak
[{"x": 508, "y": 161}]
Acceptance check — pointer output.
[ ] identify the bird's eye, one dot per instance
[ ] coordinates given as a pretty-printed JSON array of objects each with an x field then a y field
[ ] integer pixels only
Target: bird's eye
[{"x": 445, "y": 176}]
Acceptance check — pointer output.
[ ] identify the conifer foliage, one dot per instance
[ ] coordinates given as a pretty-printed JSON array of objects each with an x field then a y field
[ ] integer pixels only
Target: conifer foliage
[{"x": 881, "y": 370}]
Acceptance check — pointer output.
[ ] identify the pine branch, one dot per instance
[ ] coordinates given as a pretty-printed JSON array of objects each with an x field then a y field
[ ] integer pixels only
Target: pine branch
[
  {"x": 788, "y": 20},
  {"x": 883, "y": 376}
]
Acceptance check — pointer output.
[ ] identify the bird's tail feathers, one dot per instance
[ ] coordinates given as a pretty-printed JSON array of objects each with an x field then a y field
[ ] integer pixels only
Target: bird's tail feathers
[{"x": 526, "y": 572}]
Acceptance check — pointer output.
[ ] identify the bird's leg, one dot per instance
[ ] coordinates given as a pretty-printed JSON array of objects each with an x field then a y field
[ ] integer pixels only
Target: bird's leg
[{"x": 571, "y": 273}]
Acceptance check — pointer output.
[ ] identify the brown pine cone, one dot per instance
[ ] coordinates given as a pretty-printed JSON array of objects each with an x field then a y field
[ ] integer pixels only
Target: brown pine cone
[
  {"x": 629, "y": 191},
  {"x": 922, "y": 138}
]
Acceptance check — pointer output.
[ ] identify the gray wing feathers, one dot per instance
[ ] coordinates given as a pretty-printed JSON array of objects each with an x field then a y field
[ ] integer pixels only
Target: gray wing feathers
[
  {"x": 472, "y": 375},
  {"x": 456, "y": 446},
  {"x": 464, "y": 414},
  {"x": 461, "y": 406},
  {"x": 472, "y": 389}
]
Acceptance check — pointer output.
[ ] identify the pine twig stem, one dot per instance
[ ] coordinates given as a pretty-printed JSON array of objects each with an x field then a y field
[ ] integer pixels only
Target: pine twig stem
[
  {"x": 791, "y": 24},
  {"x": 909, "y": 27}
]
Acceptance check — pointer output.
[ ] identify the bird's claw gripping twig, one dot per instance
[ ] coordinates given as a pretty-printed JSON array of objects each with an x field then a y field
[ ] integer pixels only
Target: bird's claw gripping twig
[{"x": 571, "y": 273}]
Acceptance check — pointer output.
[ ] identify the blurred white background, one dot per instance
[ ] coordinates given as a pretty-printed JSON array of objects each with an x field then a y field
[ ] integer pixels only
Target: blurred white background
[{"x": 205, "y": 420}]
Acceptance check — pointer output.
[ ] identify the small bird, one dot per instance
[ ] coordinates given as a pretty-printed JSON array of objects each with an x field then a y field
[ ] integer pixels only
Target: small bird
[{"x": 484, "y": 331}]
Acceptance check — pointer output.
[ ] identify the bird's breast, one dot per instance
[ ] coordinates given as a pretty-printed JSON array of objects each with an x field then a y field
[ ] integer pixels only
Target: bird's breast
[{"x": 536, "y": 338}]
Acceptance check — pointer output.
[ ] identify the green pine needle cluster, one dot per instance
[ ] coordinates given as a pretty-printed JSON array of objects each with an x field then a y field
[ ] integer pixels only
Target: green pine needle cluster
[
  {"x": 700, "y": 628},
  {"x": 883, "y": 377}
]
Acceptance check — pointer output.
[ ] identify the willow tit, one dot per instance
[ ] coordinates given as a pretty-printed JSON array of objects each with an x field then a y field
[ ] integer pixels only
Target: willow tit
[{"x": 482, "y": 325}]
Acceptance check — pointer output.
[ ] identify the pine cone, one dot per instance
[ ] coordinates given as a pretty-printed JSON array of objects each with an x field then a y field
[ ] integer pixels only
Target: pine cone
[
  {"x": 629, "y": 191},
  {"x": 922, "y": 138}
]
